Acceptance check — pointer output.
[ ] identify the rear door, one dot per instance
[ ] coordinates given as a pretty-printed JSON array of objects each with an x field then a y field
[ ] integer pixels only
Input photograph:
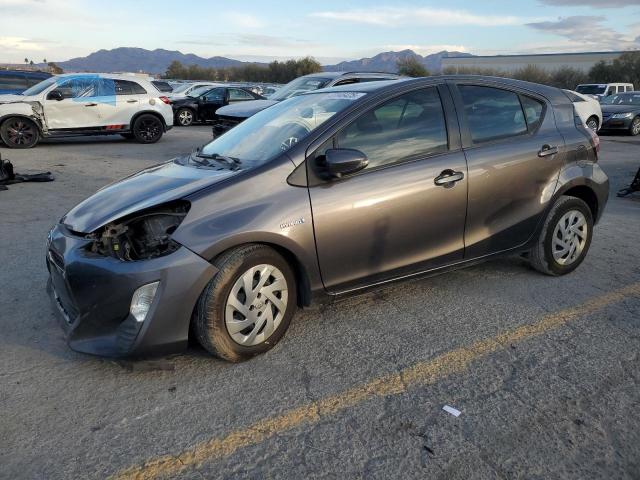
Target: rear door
[
  {"x": 395, "y": 217},
  {"x": 121, "y": 101},
  {"x": 514, "y": 154}
]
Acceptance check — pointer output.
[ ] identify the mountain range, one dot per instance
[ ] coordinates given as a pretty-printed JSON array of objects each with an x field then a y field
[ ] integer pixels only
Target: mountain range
[{"x": 126, "y": 59}]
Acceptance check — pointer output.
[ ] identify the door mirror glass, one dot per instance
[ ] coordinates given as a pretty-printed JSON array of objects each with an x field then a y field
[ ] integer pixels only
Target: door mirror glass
[
  {"x": 55, "y": 95},
  {"x": 344, "y": 161}
]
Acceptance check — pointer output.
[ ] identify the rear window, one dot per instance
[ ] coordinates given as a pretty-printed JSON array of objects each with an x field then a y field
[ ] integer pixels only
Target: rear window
[
  {"x": 493, "y": 113},
  {"x": 125, "y": 87},
  {"x": 591, "y": 89}
]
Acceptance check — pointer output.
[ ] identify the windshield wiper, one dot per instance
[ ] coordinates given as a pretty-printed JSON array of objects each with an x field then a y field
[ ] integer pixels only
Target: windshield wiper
[{"x": 231, "y": 162}]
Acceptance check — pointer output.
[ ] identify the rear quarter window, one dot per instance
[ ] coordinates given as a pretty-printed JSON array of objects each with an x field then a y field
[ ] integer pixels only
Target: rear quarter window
[{"x": 126, "y": 87}]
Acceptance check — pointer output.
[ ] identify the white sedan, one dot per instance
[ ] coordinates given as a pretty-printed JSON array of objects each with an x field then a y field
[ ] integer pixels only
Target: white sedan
[{"x": 587, "y": 108}]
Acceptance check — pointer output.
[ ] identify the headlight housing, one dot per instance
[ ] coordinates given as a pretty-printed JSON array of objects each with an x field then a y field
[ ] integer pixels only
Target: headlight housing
[
  {"x": 142, "y": 300},
  {"x": 142, "y": 235},
  {"x": 622, "y": 115}
]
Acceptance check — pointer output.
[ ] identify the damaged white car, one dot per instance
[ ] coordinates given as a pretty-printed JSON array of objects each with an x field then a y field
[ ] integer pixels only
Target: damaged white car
[{"x": 85, "y": 104}]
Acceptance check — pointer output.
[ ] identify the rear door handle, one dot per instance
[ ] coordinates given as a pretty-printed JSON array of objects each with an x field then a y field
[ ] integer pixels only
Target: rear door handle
[
  {"x": 547, "y": 150},
  {"x": 132, "y": 101},
  {"x": 448, "y": 178},
  {"x": 91, "y": 105}
]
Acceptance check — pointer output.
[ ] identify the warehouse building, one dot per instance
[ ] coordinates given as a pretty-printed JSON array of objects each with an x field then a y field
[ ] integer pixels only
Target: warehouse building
[{"x": 547, "y": 61}]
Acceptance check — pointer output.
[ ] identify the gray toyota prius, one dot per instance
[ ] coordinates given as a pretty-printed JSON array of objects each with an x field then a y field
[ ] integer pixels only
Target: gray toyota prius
[{"x": 320, "y": 196}]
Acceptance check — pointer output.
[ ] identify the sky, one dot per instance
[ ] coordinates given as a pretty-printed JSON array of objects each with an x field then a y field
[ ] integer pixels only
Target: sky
[{"x": 329, "y": 30}]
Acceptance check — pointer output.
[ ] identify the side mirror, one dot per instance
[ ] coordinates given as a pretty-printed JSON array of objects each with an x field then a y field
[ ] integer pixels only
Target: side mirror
[
  {"x": 343, "y": 161},
  {"x": 55, "y": 95}
]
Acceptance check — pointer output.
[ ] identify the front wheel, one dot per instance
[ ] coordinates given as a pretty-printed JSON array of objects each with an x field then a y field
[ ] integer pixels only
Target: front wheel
[
  {"x": 247, "y": 307},
  {"x": 565, "y": 238},
  {"x": 592, "y": 123},
  {"x": 18, "y": 132},
  {"x": 184, "y": 117},
  {"x": 634, "y": 129},
  {"x": 147, "y": 129}
]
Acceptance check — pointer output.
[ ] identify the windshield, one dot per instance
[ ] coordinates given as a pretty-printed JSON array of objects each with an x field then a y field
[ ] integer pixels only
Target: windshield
[
  {"x": 298, "y": 86},
  {"x": 622, "y": 99},
  {"x": 181, "y": 87},
  {"x": 276, "y": 129},
  {"x": 40, "y": 87},
  {"x": 591, "y": 89}
]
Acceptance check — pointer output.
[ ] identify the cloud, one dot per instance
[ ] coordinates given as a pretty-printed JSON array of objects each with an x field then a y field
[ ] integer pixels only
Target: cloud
[
  {"x": 593, "y": 3},
  {"x": 250, "y": 39},
  {"x": 242, "y": 20},
  {"x": 589, "y": 32},
  {"x": 22, "y": 44},
  {"x": 426, "y": 16}
]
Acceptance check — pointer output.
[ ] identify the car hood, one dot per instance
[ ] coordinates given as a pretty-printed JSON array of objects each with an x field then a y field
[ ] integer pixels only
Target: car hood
[
  {"x": 153, "y": 186},
  {"x": 245, "y": 109},
  {"x": 11, "y": 98},
  {"x": 619, "y": 108}
]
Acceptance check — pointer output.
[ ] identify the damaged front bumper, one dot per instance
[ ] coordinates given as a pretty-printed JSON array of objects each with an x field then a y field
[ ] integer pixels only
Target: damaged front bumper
[{"x": 92, "y": 295}]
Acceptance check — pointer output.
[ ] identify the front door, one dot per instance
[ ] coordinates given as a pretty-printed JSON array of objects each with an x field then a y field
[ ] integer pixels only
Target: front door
[
  {"x": 211, "y": 101},
  {"x": 514, "y": 152},
  {"x": 399, "y": 216},
  {"x": 79, "y": 108}
]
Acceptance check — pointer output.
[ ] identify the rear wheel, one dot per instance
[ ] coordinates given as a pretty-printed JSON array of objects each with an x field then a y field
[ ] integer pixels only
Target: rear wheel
[
  {"x": 184, "y": 117},
  {"x": 247, "y": 307},
  {"x": 147, "y": 129},
  {"x": 634, "y": 129},
  {"x": 18, "y": 132},
  {"x": 565, "y": 238}
]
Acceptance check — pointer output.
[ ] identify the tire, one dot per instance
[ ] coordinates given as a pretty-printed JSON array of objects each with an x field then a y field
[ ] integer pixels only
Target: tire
[
  {"x": 147, "y": 128},
  {"x": 185, "y": 117},
  {"x": 19, "y": 132},
  {"x": 551, "y": 239},
  {"x": 216, "y": 320},
  {"x": 634, "y": 129},
  {"x": 592, "y": 123}
]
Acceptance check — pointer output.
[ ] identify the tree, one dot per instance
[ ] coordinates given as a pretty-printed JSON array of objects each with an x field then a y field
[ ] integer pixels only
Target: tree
[
  {"x": 26, "y": 60},
  {"x": 55, "y": 69},
  {"x": 411, "y": 67},
  {"x": 31, "y": 62},
  {"x": 567, "y": 77},
  {"x": 44, "y": 60}
]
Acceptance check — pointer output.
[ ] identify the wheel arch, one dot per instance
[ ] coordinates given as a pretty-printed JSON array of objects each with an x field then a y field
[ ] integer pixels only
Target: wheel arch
[
  {"x": 150, "y": 112},
  {"x": 187, "y": 107},
  {"x": 32, "y": 118}
]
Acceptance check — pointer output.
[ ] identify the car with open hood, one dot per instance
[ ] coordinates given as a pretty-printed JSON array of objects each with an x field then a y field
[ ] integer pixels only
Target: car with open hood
[
  {"x": 324, "y": 195},
  {"x": 85, "y": 104},
  {"x": 230, "y": 116},
  {"x": 621, "y": 112}
]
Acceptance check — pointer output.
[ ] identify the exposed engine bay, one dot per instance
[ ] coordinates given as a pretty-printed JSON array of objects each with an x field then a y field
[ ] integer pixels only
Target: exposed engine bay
[{"x": 141, "y": 236}]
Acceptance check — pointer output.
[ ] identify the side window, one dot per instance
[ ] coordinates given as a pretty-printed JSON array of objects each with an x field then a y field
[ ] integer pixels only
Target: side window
[
  {"x": 13, "y": 82},
  {"x": 409, "y": 126},
  {"x": 235, "y": 94},
  {"x": 125, "y": 87},
  {"x": 348, "y": 81},
  {"x": 492, "y": 113},
  {"x": 629, "y": 88},
  {"x": 215, "y": 95},
  {"x": 533, "y": 110}
]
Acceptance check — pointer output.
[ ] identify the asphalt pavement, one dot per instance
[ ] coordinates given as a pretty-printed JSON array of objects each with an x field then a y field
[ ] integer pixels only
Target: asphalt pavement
[{"x": 545, "y": 371}]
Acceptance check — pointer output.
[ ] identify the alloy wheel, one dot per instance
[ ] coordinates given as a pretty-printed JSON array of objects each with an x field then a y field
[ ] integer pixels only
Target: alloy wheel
[
  {"x": 592, "y": 124},
  {"x": 635, "y": 126},
  {"x": 20, "y": 132},
  {"x": 185, "y": 117},
  {"x": 149, "y": 129},
  {"x": 569, "y": 237},
  {"x": 256, "y": 305}
]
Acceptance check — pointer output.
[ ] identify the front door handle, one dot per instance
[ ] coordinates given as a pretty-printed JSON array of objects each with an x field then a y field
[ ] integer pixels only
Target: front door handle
[
  {"x": 91, "y": 105},
  {"x": 547, "y": 150},
  {"x": 132, "y": 101},
  {"x": 448, "y": 178}
]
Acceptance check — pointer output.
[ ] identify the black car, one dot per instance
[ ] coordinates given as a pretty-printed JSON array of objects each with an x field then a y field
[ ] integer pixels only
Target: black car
[
  {"x": 621, "y": 112},
  {"x": 229, "y": 117},
  {"x": 202, "y": 106}
]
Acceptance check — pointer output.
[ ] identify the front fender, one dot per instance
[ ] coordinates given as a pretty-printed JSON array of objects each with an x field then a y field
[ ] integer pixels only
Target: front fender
[{"x": 31, "y": 110}]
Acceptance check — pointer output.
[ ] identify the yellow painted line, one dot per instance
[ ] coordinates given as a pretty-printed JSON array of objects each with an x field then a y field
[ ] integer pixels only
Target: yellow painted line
[{"x": 423, "y": 373}]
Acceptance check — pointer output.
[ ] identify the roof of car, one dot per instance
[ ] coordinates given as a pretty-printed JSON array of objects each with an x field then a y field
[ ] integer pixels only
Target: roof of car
[
  {"x": 112, "y": 76},
  {"x": 333, "y": 75},
  {"x": 552, "y": 93}
]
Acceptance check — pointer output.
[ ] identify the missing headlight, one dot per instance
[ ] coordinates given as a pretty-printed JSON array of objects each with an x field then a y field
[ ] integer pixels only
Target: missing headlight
[{"x": 143, "y": 235}]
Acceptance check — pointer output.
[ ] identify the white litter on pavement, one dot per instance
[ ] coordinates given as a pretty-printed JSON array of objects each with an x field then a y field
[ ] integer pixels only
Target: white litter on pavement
[{"x": 453, "y": 411}]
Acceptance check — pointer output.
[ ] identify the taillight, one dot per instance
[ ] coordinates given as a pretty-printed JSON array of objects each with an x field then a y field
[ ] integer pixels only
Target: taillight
[
  {"x": 595, "y": 141},
  {"x": 165, "y": 100}
]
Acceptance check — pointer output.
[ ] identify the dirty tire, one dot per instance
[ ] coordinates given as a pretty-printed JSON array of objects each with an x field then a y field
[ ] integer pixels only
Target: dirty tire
[
  {"x": 541, "y": 255},
  {"x": 147, "y": 128},
  {"x": 19, "y": 132},
  {"x": 209, "y": 316}
]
